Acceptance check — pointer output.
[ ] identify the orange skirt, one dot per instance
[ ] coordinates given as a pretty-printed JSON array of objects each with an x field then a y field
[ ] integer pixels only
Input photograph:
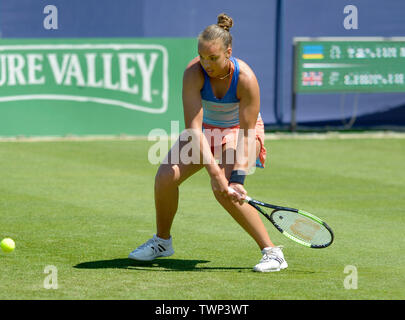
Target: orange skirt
[{"x": 219, "y": 136}]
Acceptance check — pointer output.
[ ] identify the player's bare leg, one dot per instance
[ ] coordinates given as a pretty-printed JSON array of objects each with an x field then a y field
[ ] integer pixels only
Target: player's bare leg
[
  {"x": 172, "y": 172},
  {"x": 247, "y": 216}
]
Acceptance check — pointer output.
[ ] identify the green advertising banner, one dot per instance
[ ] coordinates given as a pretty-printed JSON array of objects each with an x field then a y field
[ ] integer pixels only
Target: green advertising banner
[
  {"x": 349, "y": 65},
  {"x": 56, "y": 87}
]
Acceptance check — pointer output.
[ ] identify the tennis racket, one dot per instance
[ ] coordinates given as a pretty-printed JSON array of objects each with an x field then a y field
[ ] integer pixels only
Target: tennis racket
[{"x": 297, "y": 225}]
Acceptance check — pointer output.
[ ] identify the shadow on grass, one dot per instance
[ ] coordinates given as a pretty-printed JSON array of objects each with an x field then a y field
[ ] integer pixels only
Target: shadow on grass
[{"x": 155, "y": 265}]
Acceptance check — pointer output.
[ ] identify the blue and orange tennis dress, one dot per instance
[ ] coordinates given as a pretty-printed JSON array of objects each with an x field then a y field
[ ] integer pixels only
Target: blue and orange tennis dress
[{"x": 223, "y": 114}]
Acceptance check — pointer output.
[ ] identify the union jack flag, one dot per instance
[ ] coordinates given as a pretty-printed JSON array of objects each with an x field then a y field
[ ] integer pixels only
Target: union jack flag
[{"x": 312, "y": 78}]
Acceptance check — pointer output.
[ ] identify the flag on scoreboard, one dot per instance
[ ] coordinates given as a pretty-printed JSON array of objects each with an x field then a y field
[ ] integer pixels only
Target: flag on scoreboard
[
  {"x": 313, "y": 52},
  {"x": 312, "y": 78}
]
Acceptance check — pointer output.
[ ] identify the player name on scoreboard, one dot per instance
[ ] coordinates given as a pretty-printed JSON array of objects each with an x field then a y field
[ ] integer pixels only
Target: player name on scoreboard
[{"x": 349, "y": 65}]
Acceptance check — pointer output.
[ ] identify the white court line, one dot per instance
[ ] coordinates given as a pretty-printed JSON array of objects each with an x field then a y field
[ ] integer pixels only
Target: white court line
[
  {"x": 336, "y": 135},
  {"x": 268, "y": 136}
]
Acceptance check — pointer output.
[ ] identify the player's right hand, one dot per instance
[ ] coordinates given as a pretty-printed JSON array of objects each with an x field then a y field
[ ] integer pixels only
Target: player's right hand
[{"x": 237, "y": 192}]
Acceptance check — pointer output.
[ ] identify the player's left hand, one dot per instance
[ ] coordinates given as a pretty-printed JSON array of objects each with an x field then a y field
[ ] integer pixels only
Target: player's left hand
[{"x": 240, "y": 194}]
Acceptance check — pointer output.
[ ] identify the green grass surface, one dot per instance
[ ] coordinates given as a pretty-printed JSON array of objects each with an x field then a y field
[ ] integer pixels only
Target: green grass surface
[{"x": 83, "y": 206}]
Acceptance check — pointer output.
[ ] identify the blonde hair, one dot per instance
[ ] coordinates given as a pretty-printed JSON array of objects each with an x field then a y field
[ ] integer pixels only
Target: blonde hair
[{"x": 219, "y": 31}]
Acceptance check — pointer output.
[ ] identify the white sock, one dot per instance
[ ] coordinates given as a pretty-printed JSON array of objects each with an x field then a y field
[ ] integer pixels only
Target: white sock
[{"x": 165, "y": 241}]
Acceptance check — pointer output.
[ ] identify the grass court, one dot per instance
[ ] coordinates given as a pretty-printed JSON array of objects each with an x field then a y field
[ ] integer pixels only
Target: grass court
[{"x": 82, "y": 206}]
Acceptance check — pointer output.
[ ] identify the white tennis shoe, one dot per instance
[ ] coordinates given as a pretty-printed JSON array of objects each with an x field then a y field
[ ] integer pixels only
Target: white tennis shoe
[
  {"x": 153, "y": 248},
  {"x": 273, "y": 260}
]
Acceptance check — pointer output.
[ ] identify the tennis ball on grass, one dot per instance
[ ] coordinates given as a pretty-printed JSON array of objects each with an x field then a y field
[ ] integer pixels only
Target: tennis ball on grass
[{"x": 7, "y": 245}]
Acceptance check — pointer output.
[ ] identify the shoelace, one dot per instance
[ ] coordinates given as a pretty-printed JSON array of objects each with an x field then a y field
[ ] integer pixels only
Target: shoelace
[
  {"x": 154, "y": 245},
  {"x": 271, "y": 255},
  {"x": 150, "y": 243}
]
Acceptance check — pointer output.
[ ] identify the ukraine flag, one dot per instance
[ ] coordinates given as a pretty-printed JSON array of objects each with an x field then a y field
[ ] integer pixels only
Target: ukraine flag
[{"x": 312, "y": 52}]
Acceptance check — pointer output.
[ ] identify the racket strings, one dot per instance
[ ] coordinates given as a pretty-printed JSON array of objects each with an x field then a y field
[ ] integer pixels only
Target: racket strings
[{"x": 302, "y": 227}]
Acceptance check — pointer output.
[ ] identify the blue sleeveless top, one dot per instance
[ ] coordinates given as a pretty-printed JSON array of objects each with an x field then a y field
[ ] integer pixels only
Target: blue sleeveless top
[{"x": 221, "y": 112}]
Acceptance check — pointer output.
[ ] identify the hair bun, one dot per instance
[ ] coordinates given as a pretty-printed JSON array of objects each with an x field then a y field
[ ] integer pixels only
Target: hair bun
[{"x": 225, "y": 21}]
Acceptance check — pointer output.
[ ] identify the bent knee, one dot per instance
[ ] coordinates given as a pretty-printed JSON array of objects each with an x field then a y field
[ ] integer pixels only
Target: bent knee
[
  {"x": 167, "y": 175},
  {"x": 220, "y": 196}
]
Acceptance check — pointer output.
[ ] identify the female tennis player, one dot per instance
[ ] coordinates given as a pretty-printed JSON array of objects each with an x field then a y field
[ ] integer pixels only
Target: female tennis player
[{"x": 221, "y": 101}]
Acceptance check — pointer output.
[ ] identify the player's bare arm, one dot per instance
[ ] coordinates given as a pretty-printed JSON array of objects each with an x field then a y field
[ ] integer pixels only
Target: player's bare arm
[
  {"x": 193, "y": 81},
  {"x": 249, "y": 106}
]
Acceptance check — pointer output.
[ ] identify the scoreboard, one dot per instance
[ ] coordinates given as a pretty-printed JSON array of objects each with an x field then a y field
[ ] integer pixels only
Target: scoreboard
[{"x": 335, "y": 64}]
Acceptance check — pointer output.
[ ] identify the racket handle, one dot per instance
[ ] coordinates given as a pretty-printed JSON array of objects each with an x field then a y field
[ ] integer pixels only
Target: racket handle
[{"x": 232, "y": 190}]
